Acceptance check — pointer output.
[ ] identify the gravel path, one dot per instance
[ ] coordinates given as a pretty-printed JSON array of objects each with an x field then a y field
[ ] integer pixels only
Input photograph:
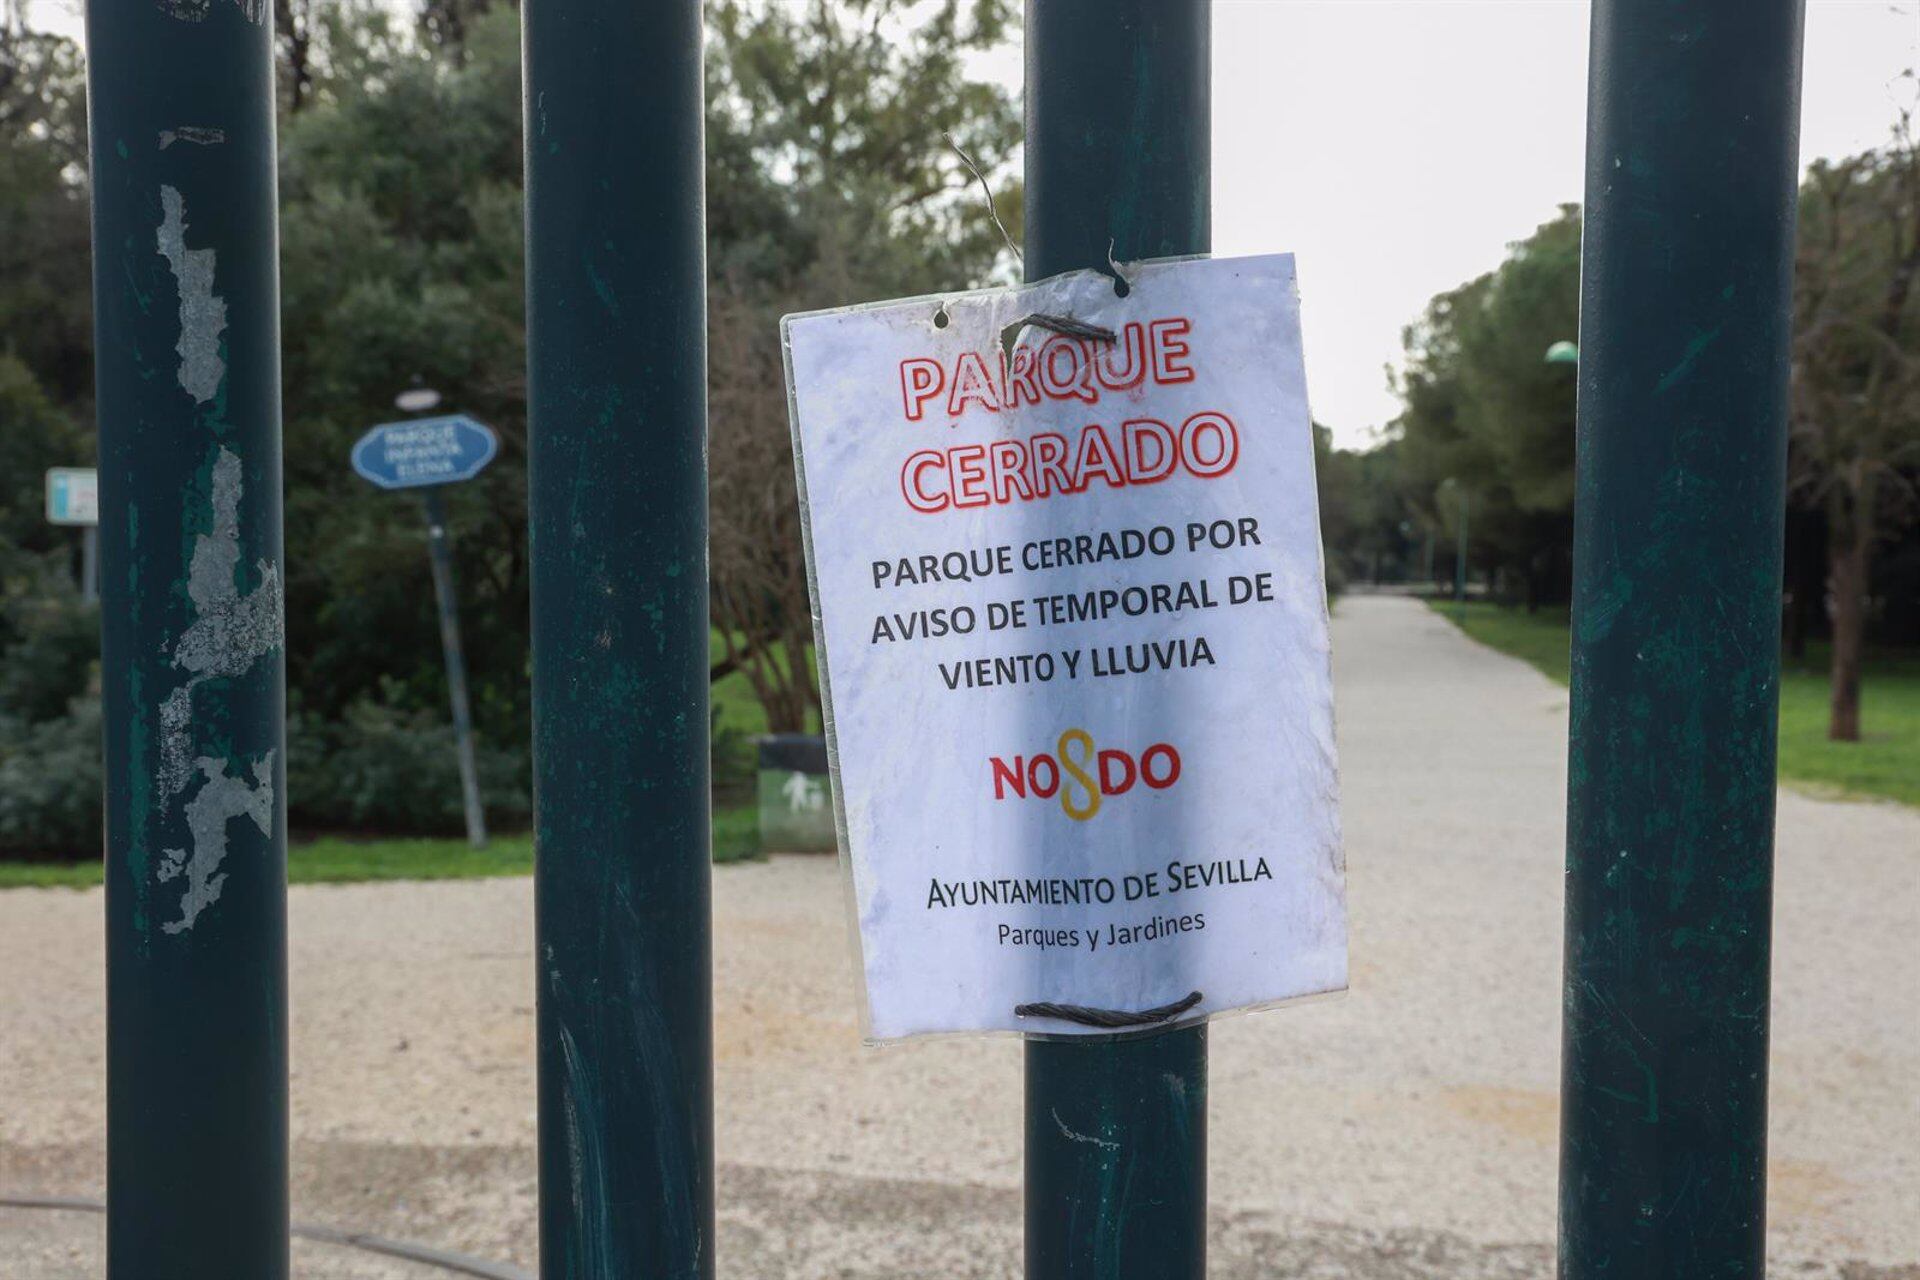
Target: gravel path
[{"x": 1405, "y": 1131}]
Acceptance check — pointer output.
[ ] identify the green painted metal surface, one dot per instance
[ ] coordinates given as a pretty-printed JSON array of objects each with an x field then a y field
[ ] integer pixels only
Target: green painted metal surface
[
  {"x": 192, "y": 671},
  {"x": 1691, "y": 177},
  {"x": 1118, "y": 156},
  {"x": 617, "y": 385}
]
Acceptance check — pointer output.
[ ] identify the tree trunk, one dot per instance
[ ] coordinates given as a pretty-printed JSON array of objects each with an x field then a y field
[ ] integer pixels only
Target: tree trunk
[
  {"x": 1806, "y": 573},
  {"x": 1847, "y": 584}
]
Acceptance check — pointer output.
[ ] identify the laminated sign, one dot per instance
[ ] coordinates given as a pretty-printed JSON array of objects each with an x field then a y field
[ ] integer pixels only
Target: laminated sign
[{"x": 1072, "y": 627}]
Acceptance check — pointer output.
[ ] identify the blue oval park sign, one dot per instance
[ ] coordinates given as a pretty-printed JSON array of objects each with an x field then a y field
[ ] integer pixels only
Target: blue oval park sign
[{"x": 425, "y": 451}]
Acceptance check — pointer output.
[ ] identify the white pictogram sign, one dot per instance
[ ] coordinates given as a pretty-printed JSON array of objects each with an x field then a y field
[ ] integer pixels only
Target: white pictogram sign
[{"x": 1073, "y": 634}]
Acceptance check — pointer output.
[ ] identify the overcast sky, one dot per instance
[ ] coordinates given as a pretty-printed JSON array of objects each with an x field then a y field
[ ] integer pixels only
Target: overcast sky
[{"x": 1397, "y": 146}]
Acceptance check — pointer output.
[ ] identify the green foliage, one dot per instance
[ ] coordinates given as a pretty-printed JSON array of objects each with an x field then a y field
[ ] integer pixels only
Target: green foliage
[
  {"x": 46, "y": 312},
  {"x": 829, "y": 181},
  {"x": 51, "y": 651},
  {"x": 50, "y": 737},
  {"x": 34, "y": 435},
  {"x": 1365, "y": 528},
  {"x": 827, "y": 160},
  {"x": 1487, "y": 433},
  {"x": 402, "y": 241},
  {"x": 50, "y": 781},
  {"x": 1855, "y": 452},
  {"x": 382, "y": 769}
]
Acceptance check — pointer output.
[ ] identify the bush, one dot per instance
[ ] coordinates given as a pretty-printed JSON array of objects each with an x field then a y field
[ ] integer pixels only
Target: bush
[
  {"x": 50, "y": 783},
  {"x": 735, "y": 762},
  {"x": 52, "y": 649},
  {"x": 381, "y": 769}
]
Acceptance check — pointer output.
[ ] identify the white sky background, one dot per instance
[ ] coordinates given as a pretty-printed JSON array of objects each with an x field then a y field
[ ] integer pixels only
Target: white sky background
[{"x": 1398, "y": 147}]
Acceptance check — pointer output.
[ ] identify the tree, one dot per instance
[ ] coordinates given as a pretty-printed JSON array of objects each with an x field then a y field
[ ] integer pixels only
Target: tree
[
  {"x": 1856, "y": 378},
  {"x": 46, "y": 311},
  {"x": 401, "y": 258},
  {"x": 1490, "y": 420},
  {"x": 829, "y": 182}
]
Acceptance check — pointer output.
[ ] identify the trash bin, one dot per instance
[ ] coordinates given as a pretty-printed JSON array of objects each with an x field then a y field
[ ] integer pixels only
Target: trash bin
[{"x": 796, "y": 802}]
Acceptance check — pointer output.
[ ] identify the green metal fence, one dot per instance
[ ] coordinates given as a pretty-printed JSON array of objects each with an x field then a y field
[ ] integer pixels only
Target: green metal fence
[
  {"x": 1692, "y": 176},
  {"x": 188, "y": 379}
]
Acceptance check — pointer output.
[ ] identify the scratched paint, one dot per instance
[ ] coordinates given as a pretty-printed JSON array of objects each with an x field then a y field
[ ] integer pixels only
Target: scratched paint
[
  {"x": 199, "y": 135},
  {"x": 220, "y": 799},
  {"x": 203, "y": 313},
  {"x": 186, "y": 313},
  {"x": 231, "y": 630},
  {"x": 254, "y": 11}
]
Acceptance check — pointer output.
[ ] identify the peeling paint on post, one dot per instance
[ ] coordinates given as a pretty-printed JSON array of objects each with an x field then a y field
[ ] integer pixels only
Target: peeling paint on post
[
  {"x": 1118, "y": 159},
  {"x": 616, "y": 333},
  {"x": 1685, "y": 308},
  {"x": 187, "y": 346}
]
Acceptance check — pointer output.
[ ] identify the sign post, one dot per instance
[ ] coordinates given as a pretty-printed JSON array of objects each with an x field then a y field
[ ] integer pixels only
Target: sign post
[
  {"x": 187, "y": 350},
  {"x": 442, "y": 558},
  {"x": 73, "y": 498},
  {"x": 1067, "y": 573},
  {"x": 1686, "y": 283},
  {"x": 1118, "y": 165},
  {"x": 426, "y": 453},
  {"x": 616, "y": 380}
]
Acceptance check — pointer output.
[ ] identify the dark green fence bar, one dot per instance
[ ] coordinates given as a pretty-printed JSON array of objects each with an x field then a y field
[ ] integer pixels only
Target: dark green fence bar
[
  {"x": 616, "y": 336},
  {"x": 187, "y": 342},
  {"x": 1118, "y": 153},
  {"x": 1685, "y": 301}
]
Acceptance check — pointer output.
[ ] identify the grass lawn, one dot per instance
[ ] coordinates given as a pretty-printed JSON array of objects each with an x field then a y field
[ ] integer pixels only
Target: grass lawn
[
  {"x": 333, "y": 859},
  {"x": 1886, "y": 764}
]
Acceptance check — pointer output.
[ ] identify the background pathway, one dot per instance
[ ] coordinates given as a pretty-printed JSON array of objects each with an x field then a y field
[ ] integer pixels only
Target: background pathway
[{"x": 1406, "y": 1130}]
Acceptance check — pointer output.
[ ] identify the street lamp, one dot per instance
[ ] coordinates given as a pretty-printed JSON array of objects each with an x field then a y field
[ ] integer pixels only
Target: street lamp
[
  {"x": 417, "y": 399},
  {"x": 1460, "y": 555}
]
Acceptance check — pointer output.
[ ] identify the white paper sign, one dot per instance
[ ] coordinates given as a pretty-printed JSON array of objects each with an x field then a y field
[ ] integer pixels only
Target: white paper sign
[{"x": 1073, "y": 636}]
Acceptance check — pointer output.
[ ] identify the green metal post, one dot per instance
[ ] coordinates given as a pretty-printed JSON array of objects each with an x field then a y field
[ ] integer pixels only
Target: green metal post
[
  {"x": 1118, "y": 156},
  {"x": 616, "y": 336},
  {"x": 440, "y": 558},
  {"x": 187, "y": 347},
  {"x": 1686, "y": 285}
]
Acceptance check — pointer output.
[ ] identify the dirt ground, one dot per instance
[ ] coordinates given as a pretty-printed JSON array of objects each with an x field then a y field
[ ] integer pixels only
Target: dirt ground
[{"x": 1404, "y": 1131}]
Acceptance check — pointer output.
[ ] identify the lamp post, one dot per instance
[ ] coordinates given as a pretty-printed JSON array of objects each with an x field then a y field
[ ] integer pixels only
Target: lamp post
[{"x": 1460, "y": 553}]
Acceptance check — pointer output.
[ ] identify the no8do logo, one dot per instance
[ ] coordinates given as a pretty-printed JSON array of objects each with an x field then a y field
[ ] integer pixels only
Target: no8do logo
[{"x": 1083, "y": 776}]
